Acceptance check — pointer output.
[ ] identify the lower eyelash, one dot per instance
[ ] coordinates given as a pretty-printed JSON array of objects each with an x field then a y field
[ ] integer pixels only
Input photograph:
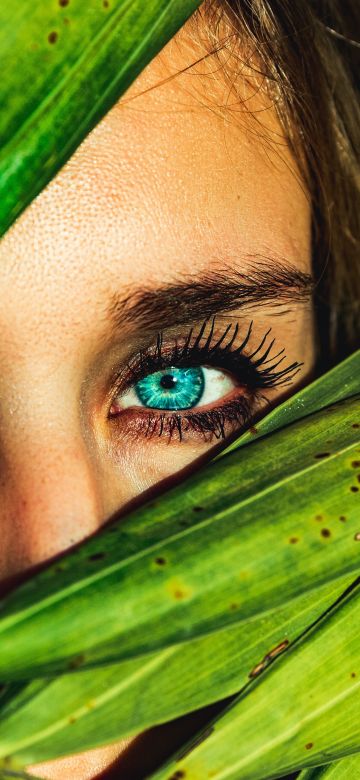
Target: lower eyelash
[{"x": 212, "y": 422}]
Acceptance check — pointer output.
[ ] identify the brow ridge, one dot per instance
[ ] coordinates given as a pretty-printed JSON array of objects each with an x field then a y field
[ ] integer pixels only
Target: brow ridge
[{"x": 221, "y": 290}]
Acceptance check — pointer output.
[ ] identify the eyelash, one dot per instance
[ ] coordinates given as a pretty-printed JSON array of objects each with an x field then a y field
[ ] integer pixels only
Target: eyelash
[{"x": 255, "y": 371}]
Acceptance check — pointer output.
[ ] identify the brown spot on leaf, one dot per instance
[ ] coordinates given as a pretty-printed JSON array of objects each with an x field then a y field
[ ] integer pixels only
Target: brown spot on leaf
[
  {"x": 319, "y": 518},
  {"x": 160, "y": 560},
  {"x": 357, "y": 537},
  {"x": 234, "y": 605},
  {"x": 277, "y": 650},
  {"x": 325, "y": 532},
  {"x": 97, "y": 556},
  {"x": 77, "y": 661},
  {"x": 309, "y": 745},
  {"x": 355, "y": 425},
  {"x": 342, "y": 518},
  {"x": 198, "y": 508},
  {"x": 179, "y": 594},
  {"x": 353, "y": 674},
  {"x": 320, "y": 455},
  {"x": 177, "y": 775},
  {"x": 356, "y": 464},
  {"x": 293, "y": 540},
  {"x": 106, "y": 3},
  {"x": 63, "y": 3},
  {"x": 72, "y": 719},
  {"x": 354, "y": 489},
  {"x": 52, "y": 37},
  {"x": 257, "y": 669}
]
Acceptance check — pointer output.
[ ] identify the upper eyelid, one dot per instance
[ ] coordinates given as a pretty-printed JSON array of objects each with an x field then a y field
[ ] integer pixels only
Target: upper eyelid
[{"x": 153, "y": 357}]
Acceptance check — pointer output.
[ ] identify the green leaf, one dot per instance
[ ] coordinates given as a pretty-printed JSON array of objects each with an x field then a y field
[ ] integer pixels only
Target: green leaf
[
  {"x": 150, "y": 582},
  {"x": 346, "y": 769},
  {"x": 45, "y": 719},
  {"x": 303, "y": 711},
  {"x": 62, "y": 69},
  {"x": 339, "y": 383}
]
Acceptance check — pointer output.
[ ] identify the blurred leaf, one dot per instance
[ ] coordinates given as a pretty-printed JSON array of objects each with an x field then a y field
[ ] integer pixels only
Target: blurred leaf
[{"x": 63, "y": 66}]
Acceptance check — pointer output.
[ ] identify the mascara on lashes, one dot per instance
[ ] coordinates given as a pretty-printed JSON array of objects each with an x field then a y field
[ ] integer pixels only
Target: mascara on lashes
[{"x": 252, "y": 374}]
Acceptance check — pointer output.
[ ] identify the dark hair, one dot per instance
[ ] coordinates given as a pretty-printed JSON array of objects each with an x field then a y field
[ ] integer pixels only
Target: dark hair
[{"x": 310, "y": 61}]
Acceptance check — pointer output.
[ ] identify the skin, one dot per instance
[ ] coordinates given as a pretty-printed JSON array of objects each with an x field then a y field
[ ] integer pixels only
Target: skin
[{"x": 170, "y": 184}]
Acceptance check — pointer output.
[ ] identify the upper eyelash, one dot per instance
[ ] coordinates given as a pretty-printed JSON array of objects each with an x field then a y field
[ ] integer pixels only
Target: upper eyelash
[{"x": 222, "y": 354}]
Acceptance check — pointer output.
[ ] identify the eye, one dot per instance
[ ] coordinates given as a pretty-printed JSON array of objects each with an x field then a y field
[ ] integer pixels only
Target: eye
[
  {"x": 177, "y": 389},
  {"x": 200, "y": 385}
]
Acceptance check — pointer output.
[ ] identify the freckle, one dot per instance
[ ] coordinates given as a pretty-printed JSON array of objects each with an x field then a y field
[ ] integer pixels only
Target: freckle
[
  {"x": 96, "y": 556},
  {"x": 309, "y": 745},
  {"x": 325, "y": 533},
  {"x": 357, "y": 537},
  {"x": 52, "y": 37},
  {"x": 160, "y": 561},
  {"x": 356, "y": 464},
  {"x": 354, "y": 489},
  {"x": 293, "y": 540},
  {"x": 342, "y": 518},
  {"x": 322, "y": 455}
]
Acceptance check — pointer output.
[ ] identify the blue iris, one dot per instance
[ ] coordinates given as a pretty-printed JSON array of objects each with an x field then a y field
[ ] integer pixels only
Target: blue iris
[{"x": 172, "y": 388}]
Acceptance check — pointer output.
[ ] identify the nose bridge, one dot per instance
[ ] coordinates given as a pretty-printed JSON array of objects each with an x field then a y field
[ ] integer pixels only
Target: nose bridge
[{"x": 49, "y": 496}]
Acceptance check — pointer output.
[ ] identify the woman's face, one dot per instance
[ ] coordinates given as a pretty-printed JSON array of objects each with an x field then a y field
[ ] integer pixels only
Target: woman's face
[{"x": 126, "y": 291}]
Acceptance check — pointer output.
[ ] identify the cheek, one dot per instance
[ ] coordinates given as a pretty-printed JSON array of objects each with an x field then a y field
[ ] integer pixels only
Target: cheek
[{"x": 131, "y": 468}]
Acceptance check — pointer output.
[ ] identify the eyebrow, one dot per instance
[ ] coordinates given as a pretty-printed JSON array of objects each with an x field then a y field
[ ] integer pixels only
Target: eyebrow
[{"x": 192, "y": 298}]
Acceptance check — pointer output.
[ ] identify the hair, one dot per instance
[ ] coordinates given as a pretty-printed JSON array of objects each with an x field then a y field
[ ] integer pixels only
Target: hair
[{"x": 309, "y": 63}]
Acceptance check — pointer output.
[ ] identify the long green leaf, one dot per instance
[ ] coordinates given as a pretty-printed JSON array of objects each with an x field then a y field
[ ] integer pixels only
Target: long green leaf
[
  {"x": 339, "y": 383},
  {"x": 42, "y": 720},
  {"x": 118, "y": 596},
  {"x": 303, "y": 712},
  {"x": 63, "y": 67},
  {"x": 346, "y": 769}
]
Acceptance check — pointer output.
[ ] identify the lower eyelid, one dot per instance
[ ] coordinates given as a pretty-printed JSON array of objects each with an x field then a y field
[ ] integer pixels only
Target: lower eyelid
[{"x": 200, "y": 425}]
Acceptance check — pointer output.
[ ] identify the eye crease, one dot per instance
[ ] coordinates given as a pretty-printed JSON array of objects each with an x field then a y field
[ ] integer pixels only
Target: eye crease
[{"x": 207, "y": 384}]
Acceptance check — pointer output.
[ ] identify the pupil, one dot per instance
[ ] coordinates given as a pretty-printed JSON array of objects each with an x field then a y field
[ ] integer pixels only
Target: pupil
[{"x": 168, "y": 381}]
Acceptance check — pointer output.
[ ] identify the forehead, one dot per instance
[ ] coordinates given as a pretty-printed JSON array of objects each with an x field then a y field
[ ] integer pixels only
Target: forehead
[{"x": 169, "y": 181}]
